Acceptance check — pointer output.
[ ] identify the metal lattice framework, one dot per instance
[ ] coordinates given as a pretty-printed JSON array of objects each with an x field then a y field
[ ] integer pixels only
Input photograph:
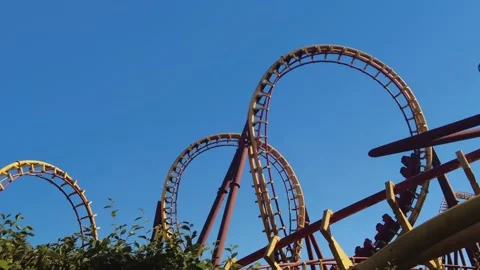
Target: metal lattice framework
[
  {"x": 358, "y": 60},
  {"x": 406, "y": 198}
]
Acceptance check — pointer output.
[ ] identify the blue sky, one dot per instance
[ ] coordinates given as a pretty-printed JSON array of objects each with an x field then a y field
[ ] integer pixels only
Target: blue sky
[{"x": 113, "y": 91}]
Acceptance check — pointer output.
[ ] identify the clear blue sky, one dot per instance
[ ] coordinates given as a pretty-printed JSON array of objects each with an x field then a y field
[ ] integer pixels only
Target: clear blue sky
[{"x": 113, "y": 91}]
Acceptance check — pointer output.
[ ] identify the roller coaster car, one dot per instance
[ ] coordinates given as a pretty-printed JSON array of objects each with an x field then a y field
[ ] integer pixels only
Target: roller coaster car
[
  {"x": 366, "y": 251},
  {"x": 386, "y": 231},
  {"x": 411, "y": 168},
  {"x": 389, "y": 228},
  {"x": 411, "y": 165}
]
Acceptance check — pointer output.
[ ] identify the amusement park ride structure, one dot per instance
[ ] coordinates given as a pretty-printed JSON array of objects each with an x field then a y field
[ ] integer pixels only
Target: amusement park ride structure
[{"x": 449, "y": 240}]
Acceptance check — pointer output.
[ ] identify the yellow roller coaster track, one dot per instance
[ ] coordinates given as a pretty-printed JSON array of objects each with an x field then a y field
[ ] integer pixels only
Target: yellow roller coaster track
[
  {"x": 65, "y": 184},
  {"x": 279, "y": 163},
  {"x": 260, "y": 105}
]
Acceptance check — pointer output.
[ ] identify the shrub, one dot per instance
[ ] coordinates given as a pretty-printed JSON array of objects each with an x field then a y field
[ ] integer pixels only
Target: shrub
[{"x": 127, "y": 247}]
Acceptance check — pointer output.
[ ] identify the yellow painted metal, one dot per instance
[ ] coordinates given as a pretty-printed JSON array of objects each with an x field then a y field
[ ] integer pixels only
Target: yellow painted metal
[
  {"x": 35, "y": 168},
  {"x": 401, "y": 218},
  {"x": 259, "y": 187},
  {"x": 343, "y": 261},
  {"x": 269, "y": 255},
  {"x": 230, "y": 263},
  {"x": 283, "y": 66},
  {"x": 451, "y": 230},
  {"x": 468, "y": 172},
  {"x": 404, "y": 223}
]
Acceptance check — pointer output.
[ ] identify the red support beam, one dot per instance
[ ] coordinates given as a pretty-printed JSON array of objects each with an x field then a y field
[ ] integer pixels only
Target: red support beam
[
  {"x": 232, "y": 197},
  {"x": 313, "y": 240},
  {"x": 427, "y": 138},
  {"x": 445, "y": 186},
  {"x": 363, "y": 204},
  {"x": 157, "y": 220},
  {"x": 222, "y": 191},
  {"x": 309, "y": 251},
  {"x": 456, "y": 137},
  {"x": 217, "y": 203}
]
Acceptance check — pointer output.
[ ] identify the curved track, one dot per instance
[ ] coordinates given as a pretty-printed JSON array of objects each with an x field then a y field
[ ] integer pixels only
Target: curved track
[
  {"x": 62, "y": 181},
  {"x": 168, "y": 203},
  {"x": 459, "y": 195},
  {"x": 260, "y": 104}
]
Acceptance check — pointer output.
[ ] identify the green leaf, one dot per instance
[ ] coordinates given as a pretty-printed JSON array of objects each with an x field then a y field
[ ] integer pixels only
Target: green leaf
[
  {"x": 4, "y": 265},
  {"x": 125, "y": 247}
]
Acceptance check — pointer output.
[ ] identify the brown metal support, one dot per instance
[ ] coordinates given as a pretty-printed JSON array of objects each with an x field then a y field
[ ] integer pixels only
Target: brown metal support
[
  {"x": 217, "y": 204},
  {"x": 309, "y": 252},
  {"x": 232, "y": 196},
  {"x": 222, "y": 191},
  {"x": 313, "y": 240},
  {"x": 426, "y": 139},
  {"x": 316, "y": 247},
  {"x": 363, "y": 204},
  {"x": 447, "y": 189},
  {"x": 308, "y": 242},
  {"x": 157, "y": 221},
  {"x": 457, "y": 136}
]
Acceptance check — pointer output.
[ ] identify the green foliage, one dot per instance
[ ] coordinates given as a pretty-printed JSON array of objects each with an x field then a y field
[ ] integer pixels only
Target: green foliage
[{"x": 127, "y": 247}]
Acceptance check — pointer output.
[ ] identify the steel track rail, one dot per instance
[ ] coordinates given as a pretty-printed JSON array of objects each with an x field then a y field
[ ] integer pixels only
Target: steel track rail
[
  {"x": 257, "y": 118},
  {"x": 168, "y": 202},
  {"x": 62, "y": 181}
]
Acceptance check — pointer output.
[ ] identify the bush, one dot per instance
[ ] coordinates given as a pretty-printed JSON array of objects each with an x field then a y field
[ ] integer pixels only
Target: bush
[{"x": 127, "y": 247}]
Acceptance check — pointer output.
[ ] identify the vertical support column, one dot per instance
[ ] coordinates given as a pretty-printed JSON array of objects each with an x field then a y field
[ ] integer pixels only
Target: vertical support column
[
  {"x": 217, "y": 204},
  {"x": 157, "y": 221},
  {"x": 232, "y": 197}
]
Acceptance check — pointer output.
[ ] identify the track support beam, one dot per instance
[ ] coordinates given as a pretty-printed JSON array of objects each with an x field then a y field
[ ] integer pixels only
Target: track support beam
[
  {"x": 242, "y": 151},
  {"x": 270, "y": 253},
  {"x": 230, "y": 264},
  {"x": 343, "y": 262},
  {"x": 468, "y": 172},
  {"x": 392, "y": 201},
  {"x": 404, "y": 223}
]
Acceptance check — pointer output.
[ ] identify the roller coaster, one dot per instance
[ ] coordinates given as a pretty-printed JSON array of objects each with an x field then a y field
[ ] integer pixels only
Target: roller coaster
[{"x": 449, "y": 240}]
